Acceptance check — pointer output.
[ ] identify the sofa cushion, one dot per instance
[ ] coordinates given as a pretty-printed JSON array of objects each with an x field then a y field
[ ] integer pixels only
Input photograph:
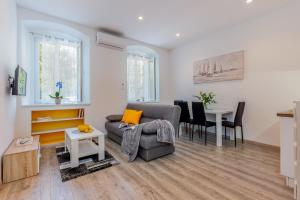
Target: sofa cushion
[
  {"x": 150, "y": 141},
  {"x": 113, "y": 127},
  {"x": 114, "y": 118},
  {"x": 132, "y": 116},
  {"x": 147, "y": 141},
  {"x": 146, "y": 119},
  {"x": 149, "y": 129}
]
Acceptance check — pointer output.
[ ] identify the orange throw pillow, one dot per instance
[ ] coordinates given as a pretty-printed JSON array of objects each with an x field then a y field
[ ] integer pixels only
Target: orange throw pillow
[{"x": 132, "y": 116}]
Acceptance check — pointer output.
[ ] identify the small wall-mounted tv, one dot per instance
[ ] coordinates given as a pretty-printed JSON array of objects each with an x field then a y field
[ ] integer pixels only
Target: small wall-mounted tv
[{"x": 19, "y": 85}]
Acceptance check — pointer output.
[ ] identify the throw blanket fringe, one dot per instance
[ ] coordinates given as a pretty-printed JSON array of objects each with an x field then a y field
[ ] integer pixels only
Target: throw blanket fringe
[{"x": 132, "y": 136}]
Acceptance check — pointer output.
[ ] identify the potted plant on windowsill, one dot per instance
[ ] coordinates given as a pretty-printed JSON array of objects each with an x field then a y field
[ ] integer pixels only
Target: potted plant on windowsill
[
  {"x": 206, "y": 98},
  {"x": 57, "y": 96}
]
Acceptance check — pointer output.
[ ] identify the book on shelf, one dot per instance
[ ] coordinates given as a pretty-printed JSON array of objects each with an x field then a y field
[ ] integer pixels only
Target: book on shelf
[
  {"x": 43, "y": 119},
  {"x": 81, "y": 113}
]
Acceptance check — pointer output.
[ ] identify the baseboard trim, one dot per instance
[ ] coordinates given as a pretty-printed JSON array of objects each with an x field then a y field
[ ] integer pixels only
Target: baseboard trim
[{"x": 262, "y": 144}]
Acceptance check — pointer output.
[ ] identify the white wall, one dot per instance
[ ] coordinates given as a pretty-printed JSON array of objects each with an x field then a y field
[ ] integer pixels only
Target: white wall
[
  {"x": 107, "y": 73},
  {"x": 272, "y": 69},
  {"x": 8, "y": 42}
]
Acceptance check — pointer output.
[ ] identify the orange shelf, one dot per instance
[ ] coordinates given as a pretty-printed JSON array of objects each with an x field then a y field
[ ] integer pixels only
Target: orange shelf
[
  {"x": 52, "y": 138},
  {"x": 51, "y": 131}
]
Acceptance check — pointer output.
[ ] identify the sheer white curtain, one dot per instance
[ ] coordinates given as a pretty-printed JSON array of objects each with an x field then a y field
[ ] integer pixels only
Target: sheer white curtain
[
  {"x": 141, "y": 76},
  {"x": 57, "y": 59}
]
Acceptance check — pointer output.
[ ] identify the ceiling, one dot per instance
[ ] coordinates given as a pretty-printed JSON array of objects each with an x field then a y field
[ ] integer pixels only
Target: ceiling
[{"x": 162, "y": 18}]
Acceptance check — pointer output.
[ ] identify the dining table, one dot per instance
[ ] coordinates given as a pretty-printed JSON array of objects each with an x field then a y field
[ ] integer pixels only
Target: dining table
[{"x": 219, "y": 113}]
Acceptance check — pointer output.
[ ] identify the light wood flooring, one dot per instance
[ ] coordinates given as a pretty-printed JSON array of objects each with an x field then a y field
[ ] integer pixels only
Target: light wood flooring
[{"x": 194, "y": 171}]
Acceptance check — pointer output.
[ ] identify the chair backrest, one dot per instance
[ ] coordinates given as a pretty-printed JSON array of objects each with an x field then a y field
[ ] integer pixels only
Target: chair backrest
[
  {"x": 238, "y": 119},
  {"x": 185, "y": 113},
  {"x": 176, "y": 102},
  {"x": 198, "y": 113}
]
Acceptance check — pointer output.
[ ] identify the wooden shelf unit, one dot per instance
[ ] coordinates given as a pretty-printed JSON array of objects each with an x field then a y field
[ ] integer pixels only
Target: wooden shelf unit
[{"x": 51, "y": 130}]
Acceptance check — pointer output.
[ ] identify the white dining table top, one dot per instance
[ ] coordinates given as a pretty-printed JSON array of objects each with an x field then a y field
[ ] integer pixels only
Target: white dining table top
[{"x": 218, "y": 110}]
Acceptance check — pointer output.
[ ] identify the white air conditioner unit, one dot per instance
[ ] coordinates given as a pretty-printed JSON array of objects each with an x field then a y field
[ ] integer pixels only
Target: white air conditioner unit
[{"x": 111, "y": 41}]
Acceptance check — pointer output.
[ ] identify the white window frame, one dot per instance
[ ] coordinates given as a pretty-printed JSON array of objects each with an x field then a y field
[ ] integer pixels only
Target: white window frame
[
  {"x": 145, "y": 52},
  {"x": 36, "y": 38}
]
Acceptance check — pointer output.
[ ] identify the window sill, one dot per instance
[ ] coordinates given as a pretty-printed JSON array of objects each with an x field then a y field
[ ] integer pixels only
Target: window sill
[
  {"x": 143, "y": 101},
  {"x": 56, "y": 105}
]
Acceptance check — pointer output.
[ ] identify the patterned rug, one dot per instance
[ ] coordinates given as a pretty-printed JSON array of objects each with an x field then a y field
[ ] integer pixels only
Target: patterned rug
[{"x": 89, "y": 164}]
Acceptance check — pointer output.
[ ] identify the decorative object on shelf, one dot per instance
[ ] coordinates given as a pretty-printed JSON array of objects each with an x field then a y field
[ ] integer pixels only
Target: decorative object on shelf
[
  {"x": 57, "y": 96},
  {"x": 24, "y": 141},
  {"x": 43, "y": 119},
  {"x": 85, "y": 128},
  {"x": 206, "y": 98},
  {"x": 220, "y": 68}
]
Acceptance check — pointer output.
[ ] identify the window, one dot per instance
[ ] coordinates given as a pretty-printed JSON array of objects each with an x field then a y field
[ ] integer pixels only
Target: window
[
  {"x": 57, "y": 59},
  {"x": 142, "y": 77}
]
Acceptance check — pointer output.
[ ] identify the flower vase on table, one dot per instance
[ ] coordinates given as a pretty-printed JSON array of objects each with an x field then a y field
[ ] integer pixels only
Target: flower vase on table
[
  {"x": 57, "y": 96},
  {"x": 206, "y": 98}
]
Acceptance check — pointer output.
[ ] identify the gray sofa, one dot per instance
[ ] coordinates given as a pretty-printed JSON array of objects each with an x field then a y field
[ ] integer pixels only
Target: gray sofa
[{"x": 149, "y": 147}]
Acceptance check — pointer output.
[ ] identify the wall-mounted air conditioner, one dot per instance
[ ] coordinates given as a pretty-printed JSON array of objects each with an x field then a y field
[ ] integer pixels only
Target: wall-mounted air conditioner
[{"x": 111, "y": 41}]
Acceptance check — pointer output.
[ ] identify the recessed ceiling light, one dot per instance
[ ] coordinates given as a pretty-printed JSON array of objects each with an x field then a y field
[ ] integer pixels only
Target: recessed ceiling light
[
  {"x": 140, "y": 18},
  {"x": 177, "y": 35},
  {"x": 249, "y": 1}
]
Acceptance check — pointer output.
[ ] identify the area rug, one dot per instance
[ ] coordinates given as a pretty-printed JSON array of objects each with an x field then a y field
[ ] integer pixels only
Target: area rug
[{"x": 89, "y": 164}]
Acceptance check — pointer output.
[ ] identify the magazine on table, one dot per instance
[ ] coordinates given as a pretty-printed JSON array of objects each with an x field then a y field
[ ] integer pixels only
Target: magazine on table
[{"x": 24, "y": 141}]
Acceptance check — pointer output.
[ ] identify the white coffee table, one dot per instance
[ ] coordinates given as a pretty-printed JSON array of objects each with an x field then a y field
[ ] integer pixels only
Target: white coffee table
[{"x": 81, "y": 145}]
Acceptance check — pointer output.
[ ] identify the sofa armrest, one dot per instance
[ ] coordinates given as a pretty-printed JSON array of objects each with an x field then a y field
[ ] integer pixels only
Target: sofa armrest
[
  {"x": 149, "y": 129},
  {"x": 114, "y": 118}
]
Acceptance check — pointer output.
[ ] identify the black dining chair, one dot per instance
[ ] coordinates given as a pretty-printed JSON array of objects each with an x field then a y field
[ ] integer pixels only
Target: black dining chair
[
  {"x": 176, "y": 103},
  {"x": 238, "y": 121},
  {"x": 199, "y": 118},
  {"x": 185, "y": 115}
]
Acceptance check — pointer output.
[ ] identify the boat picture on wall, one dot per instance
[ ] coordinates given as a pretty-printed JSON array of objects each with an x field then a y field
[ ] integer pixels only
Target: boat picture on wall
[{"x": 220, "y": 68}]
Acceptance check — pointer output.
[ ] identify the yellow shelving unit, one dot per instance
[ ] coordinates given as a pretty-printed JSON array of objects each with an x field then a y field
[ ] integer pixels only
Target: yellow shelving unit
[{"x": 50, "y": 124}]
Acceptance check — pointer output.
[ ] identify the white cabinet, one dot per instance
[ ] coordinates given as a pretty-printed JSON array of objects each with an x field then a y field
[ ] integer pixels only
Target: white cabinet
[{"x": 287, "y": 151}]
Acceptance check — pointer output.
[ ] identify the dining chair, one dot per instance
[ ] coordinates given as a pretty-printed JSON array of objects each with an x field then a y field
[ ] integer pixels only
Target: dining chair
[
  {"x": 199, "y": 118},
  {"x": 185, "y": 115},
  {"x": 176, "y": 103},
  {"x": 238, "y": 121}
]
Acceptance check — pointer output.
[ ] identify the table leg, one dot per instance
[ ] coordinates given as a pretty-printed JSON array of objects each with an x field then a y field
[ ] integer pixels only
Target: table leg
[
  {"x": 219, "y": 129},
  {"x": 74, "y": 154},
  {"x": 101, "y": 146}
]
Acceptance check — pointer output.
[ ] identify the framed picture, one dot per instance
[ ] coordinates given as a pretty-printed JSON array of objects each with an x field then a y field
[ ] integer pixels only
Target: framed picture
[{"x": 220, "y": 68}]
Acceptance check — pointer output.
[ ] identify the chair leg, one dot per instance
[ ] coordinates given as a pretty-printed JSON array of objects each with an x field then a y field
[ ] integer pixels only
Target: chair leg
[
  {"x": 225, "y": 133},
  {"x": 178, "y": 129},
  {"x": 199, "y": 131},
  {"x": 234, "y": 136},
  {"x": 192, "y": 136},
  {"x": 205, "y": 139},
  {"x": 242, "y": 133},
  {"x": 189, "y": 131}
]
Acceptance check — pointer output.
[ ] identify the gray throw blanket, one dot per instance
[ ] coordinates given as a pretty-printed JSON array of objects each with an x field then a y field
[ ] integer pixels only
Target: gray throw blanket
[{"x": 131, "y": 136}]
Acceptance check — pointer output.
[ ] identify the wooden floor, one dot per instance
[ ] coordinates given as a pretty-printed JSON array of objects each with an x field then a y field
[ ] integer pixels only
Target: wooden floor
[{"x": 194, "y": 171}]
